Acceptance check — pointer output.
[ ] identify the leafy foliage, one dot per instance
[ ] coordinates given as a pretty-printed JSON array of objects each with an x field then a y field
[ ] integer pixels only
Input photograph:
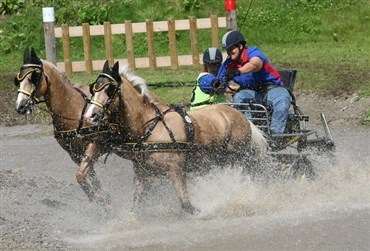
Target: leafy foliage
[
  {"x": 191, "y": 5},
  {"x": 8, "y": 7},
  {"x": 93, "y": 13}
]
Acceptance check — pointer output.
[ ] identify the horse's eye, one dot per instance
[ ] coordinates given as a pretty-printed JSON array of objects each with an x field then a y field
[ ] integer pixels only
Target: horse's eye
[{"x": 110, "y": 90}]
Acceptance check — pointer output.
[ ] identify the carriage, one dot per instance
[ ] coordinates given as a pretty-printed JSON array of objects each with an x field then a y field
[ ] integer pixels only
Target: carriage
[
  {"x": 157, "y": 138},
  {"x": 294, "y": 147}
]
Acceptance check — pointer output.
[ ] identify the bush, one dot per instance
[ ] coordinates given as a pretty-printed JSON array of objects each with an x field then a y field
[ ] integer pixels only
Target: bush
[{"x": 8, "y": 7}]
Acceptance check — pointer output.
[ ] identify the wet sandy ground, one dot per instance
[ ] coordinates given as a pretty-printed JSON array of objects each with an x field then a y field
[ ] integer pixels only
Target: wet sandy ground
[{"x": 43, "y": 207}]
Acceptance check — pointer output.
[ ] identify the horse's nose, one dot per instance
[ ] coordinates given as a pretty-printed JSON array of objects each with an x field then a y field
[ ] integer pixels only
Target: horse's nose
[
  {"x": 21, "y": 109},
  {"x": 91, "y": 117}
]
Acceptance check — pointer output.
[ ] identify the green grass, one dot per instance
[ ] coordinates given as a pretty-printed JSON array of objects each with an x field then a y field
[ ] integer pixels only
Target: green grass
[{"x": 327, "y": 41}]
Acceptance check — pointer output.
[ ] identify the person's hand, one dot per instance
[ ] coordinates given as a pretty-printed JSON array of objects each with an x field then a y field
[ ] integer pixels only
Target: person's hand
[
  {"x": 230, "y": 74},
  {"x": 218, "y": 85},
  {"x": 233, "y": 87}
]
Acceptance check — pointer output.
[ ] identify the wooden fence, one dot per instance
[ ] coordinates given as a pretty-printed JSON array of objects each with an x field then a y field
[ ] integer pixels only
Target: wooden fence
[{"x": 129, "y": 29}]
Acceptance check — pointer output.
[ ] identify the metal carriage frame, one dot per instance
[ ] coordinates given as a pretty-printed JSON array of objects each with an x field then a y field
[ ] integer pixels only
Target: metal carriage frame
[{"x": 297, "y": 135}]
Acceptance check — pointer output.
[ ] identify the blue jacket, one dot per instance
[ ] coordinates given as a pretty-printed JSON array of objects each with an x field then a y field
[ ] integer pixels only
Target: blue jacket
[
  {"x": 254, "y": 80},
  {"x": 205, "y": 82}
]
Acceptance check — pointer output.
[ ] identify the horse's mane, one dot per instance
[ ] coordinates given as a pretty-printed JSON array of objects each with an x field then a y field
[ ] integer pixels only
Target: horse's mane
[
  {"x": 139, "y": 84},
  {"x": 56, "y": 71}
]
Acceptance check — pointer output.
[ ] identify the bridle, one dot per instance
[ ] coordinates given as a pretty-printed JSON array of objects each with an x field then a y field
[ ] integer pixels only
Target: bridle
[
  {"x": 114, "y": 87},
  {"x": 36, "y": 71}
]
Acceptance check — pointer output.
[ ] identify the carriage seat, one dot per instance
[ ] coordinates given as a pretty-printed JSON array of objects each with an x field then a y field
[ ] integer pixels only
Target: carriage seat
[{"x": 288, "y": 78}]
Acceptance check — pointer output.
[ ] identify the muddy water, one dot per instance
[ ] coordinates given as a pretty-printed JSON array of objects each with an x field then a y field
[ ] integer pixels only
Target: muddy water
[{"x": 42, "y": 205}]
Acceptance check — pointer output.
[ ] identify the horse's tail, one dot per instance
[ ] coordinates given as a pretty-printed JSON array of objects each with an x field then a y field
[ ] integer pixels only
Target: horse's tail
[{"x": 259, "y": 142}]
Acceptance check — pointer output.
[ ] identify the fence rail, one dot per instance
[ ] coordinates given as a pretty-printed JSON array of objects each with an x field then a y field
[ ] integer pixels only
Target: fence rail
[{"x": 128, "y": 29}]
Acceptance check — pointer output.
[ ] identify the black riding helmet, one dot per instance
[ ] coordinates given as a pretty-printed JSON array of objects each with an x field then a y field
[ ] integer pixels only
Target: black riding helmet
[
  {"x": 212, "y": 55},
  {"x": 232, "y": 38}
]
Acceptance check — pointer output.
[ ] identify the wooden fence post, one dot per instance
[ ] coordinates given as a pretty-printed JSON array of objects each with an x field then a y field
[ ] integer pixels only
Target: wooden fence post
[
  {"x": 214, "y": 30},
  {"x": 49, "y": 34},
  {"x": 150, "y": 41},
  {"x": 150, "y": 28},
  {"x": 108, "y": 43},
  {"x": 194, "y": 40},
  {"x": 130, "y": 45},
  {"x": 172, "y": 42},
  {"x": 66, "y": 50},
  {"x": 87, "y": 47}
]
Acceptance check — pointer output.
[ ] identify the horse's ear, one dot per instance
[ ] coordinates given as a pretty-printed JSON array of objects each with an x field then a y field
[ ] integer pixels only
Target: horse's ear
[
  {"x": 34, "y": 59},
  {"x": 106, "y": 67},
  {"x": 26, "y": 55},
  {"x": 33, "y": 53},
  {"x": 115, "y": 67}
]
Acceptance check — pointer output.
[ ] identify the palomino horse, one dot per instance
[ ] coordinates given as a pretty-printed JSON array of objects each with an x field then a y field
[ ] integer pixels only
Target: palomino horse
[
  {"x": 66, "y": 104},
  {"x": 168, "y": 140}
]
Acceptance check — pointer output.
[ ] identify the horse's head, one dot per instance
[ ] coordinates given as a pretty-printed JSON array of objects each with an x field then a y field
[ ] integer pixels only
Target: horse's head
[
  {"x": 30, "y": 82},
  {"x": 103, "y": 91}
]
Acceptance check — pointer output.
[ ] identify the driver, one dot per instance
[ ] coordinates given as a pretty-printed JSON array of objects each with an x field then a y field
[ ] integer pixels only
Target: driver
[{"x": 258, "y": 80}]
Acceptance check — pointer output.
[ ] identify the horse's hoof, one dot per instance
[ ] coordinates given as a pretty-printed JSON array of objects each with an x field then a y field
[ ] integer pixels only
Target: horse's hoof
[
  {"x": 132, "y": 221},
  {"x": 103, "y": 199},
  {"x": 189, "y": 208}
]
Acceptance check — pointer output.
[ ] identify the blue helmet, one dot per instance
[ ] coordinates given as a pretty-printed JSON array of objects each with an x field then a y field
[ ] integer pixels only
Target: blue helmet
[
  {"x": 212, "y": 55},
  {"x": 232, "y": 38}
]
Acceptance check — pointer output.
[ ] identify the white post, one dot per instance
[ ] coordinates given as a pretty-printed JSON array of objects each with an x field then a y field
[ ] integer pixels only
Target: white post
[{"x": 49, "y": 34}]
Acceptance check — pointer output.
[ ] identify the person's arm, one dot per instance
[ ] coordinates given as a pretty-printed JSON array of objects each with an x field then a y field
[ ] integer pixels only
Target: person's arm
[
  {"x": 207, "y": 83},
  {"x": 255, "y": 64}
]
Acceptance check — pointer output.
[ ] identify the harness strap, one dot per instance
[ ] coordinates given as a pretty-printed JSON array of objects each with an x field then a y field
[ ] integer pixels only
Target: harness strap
[
  {"x": 189, "y": 127},
  {"x": 155, "y": 146},
  {"x": 161, "y": 117},
  {"x": 83, "y": 132},
  {"x": 83, "y": 109}
]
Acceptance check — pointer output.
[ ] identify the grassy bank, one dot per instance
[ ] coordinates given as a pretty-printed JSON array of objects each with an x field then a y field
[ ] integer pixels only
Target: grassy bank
[{"x": 327, "y": 41}]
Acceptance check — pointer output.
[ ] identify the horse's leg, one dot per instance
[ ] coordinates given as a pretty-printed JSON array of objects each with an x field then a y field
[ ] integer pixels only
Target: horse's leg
[
  {"x": 86, "y": 168},
  {"x": 178, "y": 178},
  {"x": 142, "y": 183}
]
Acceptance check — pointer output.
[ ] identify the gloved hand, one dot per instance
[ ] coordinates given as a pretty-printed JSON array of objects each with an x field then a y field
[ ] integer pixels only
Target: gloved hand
[
  {"x": 230, "y": 74},
  {"x": 218, "y": 85}
]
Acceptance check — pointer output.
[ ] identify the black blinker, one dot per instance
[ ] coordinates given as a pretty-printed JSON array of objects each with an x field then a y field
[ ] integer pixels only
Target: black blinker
[
  {"x": 36, "y": 77},
  {"x": 110, "y": 90},
  {"x": 91, "y": 87},
  {"x": 16, "y": 82}
]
